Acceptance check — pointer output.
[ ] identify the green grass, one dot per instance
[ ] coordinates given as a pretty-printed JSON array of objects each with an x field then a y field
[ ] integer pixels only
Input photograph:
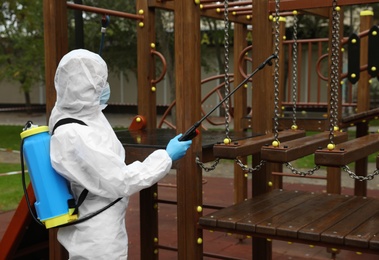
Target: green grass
[
  {"x": 11, "y": 190},
  {"x": 10, "y": 137}
]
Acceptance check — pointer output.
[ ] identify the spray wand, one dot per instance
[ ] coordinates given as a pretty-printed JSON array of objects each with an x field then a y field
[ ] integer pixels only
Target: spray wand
[{"x": 192, "y": 132}]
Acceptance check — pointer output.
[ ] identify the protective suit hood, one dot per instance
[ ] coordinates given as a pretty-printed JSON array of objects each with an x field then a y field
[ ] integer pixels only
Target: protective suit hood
[{"x": 80, "y": 77}]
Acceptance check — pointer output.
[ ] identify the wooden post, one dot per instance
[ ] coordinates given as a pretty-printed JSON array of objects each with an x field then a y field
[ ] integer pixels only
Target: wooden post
[
  {"x": 188, "y": 105},
  {"x": 147, "y": 108},
  {"x": 262, "y": 104},
  {"x": 240, "y": 108},
  {"x": 363, "y": 101},
  {"x": 56, "y": 45}
]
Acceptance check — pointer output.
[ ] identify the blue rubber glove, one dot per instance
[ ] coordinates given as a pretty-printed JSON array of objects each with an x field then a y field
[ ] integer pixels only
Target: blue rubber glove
[{"x": 177, "y": 149}]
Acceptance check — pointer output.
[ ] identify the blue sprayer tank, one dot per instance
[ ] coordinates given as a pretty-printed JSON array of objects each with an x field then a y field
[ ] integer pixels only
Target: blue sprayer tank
[{"x": 51, "y": 189}]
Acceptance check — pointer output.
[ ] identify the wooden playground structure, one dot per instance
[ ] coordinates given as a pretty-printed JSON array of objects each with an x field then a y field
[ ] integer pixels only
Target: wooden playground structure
[{"x": 331, "y": 220}]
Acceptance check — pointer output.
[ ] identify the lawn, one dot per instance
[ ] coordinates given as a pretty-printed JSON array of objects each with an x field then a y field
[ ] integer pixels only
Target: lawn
[{"x": 11, "y": 190}]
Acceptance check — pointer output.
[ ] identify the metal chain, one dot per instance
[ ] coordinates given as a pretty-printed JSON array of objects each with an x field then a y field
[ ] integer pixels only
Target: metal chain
[
  {"x": 226, "y": 65},
  {"x": 227, "y": 86},
  {"x": 204, "y": 167},
  {"x": 358, "y": 177},
  {"x": 249, "y": 169},
  {"x": 294, "y": 70},
  {"x": 276, "y": 72},
  {"x": 334, "y": 76},
  {"x": 301, "y": 173}
]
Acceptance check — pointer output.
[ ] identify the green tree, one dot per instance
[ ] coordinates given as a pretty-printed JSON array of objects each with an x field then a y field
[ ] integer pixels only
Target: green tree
[{"x": 21, "y": 45}]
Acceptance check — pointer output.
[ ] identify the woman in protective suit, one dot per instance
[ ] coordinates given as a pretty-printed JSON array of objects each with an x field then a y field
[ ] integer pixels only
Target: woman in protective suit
[{"x": 91, "y": 157}]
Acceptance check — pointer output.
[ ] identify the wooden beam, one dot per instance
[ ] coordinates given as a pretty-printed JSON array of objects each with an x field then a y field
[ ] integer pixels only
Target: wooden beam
[
  {"x": 252, "y": 145},
  {"x": 348, "y": 152},
  {"x": 290, "y": 5},
  {"x": 298, "y": 148}
]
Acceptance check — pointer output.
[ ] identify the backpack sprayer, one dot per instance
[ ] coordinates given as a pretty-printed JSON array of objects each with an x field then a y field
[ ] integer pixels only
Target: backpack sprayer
[
  {"x": 192, "y": 132},
  {"x": 55, "y": 205}
]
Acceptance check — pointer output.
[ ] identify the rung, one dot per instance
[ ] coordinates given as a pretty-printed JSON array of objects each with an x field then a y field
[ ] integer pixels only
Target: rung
[
  {"x": 252, "y": 145},
  {"x": 298, "y": 148},
  {"x": 349, "y": 151},
  {"x": 294, "y": 175}
]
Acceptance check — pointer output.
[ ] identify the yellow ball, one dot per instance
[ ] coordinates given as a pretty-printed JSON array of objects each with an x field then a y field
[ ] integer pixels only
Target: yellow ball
[
  {"x": 197, "y": 2},
  {"x": 275, "y": 143},
  {"x": 270, "y": 17},
  {"x": 140, "y": 11},
  {"x": 138, "y": 119},
  {"x": 331, "y": 146},
  {"x": 141, "y": 24},
  {"x": 354, "y": 41},
  {"x": 294, "y": 127},
  {"x": 153, "y": 88},
  {"x": 199, "y": 241},
  {"x": 218, "y": 10},
  {"x": 294, "y": 12},
  {"x": 152, "y": 45},
  {"x": 227, "y": 141},
  {"x": 269, "y": 184},
  {"x": 374, "y": 33},
  {"x": 199, "y": 209},
  {"x": 353, "y": 75},
  {"x": 338, "y": 8},
  {"x": 155, "y": 240},
  {"x": 373, "y": 68},
  {"x": 336, "y": 128}
]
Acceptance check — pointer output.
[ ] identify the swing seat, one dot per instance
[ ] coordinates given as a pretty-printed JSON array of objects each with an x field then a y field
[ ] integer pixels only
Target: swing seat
[
  {"x": 331, "y": 220},
  {"x": 298, "y": 148}
]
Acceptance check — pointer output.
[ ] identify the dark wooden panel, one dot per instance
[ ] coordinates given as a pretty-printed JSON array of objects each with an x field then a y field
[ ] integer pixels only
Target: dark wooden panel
[
  {"x": 289, "y": 222},
  {"x": 250, "y": 223},
  {"x": 336, "y": 234},
  {"x": 212, "y": 220},
  {"x": 313, "y": 230},
  {"x": 292, "y": 150},
  {"x": 361, "y": 236},
  {"x": 254, "y": 209}
]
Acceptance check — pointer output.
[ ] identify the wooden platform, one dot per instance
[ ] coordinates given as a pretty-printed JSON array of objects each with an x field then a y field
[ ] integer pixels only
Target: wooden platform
[{"x": 332, "y": 220}]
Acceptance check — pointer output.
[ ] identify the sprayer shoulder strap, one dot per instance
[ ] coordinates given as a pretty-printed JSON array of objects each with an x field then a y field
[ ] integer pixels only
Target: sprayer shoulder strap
[
  {"x": 68, "y": 120},
  {"x": 84, "y": 193}
]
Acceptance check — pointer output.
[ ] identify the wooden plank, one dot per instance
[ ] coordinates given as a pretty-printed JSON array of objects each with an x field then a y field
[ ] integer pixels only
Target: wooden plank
[
  {"x": 337, "y": 233},
  {"x": 314, "y": 229},
  {"x": 308, "y": 124},
  {"x": 211, "y": 220},
  {"x": 250, "y": 222},
  {"x": 364, "y": 116},
  {"x": 348, "y": 152},
  {"x": 292, "y": 150},
  {"x": 289, "y": 222},
  {"x": 252, "y": 145},
  {"x": 360, "y": 237},
  {"x": 290, "y": 5},
  {"x": 260, "y": 205}
]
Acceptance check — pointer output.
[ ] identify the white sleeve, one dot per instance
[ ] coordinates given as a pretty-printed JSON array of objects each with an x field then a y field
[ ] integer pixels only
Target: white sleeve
[{"x": 83, "y": 159}]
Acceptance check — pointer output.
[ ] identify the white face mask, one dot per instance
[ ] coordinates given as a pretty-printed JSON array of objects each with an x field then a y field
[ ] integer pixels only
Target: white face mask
[{"x": 105, "y": 94}]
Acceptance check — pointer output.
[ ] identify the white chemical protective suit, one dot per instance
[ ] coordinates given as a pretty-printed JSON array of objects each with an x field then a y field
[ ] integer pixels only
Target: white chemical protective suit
[{"x": 92, "y": 157}]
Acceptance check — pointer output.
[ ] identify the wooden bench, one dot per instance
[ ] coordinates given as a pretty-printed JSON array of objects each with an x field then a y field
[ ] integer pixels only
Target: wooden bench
[{"x": 332, "y": 220}]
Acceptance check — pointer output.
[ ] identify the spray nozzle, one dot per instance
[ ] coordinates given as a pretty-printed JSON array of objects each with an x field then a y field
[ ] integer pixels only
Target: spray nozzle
[{"x": 29, "y": 125}]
